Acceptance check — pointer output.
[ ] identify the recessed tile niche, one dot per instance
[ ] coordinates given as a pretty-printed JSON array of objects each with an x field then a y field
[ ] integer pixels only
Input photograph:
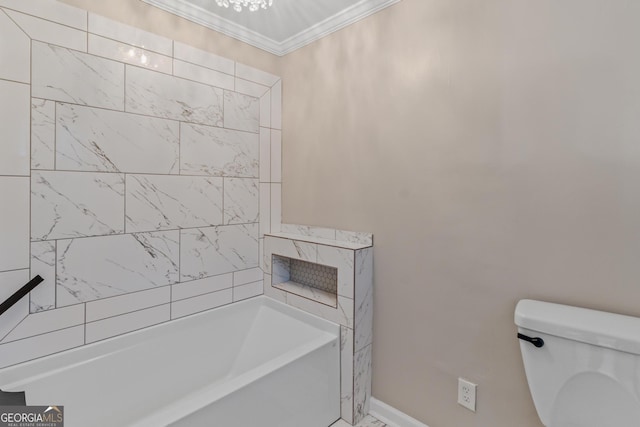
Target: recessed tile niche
[{"x": 307, "y": 279}]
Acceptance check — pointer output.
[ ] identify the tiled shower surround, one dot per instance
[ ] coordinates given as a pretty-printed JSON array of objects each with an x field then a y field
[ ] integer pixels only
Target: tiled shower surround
[
  {"x": 135, "y": 177},
  {"x": 139, "y": 177}
]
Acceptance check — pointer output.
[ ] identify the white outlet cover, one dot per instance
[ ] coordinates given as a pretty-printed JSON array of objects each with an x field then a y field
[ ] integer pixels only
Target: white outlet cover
[{"x": 467, "y": 394}]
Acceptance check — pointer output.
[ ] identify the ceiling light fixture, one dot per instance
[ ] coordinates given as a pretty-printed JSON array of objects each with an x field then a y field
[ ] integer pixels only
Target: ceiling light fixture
[{"x": 253, "y": 5}]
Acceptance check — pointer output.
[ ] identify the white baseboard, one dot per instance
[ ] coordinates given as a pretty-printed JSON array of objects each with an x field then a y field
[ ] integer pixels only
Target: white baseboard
[{"x": 391, "y": 416}]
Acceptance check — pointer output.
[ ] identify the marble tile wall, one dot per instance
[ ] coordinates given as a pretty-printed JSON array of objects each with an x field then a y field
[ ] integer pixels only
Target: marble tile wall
[{"x": 138, "y": 177}]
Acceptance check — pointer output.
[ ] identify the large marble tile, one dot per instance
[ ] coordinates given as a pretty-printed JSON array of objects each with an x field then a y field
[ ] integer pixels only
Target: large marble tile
[
  {"x": 14, "y": 227},
  {"x": 208, "y": 301},
  {"x": 15, "y": 126},
  {"x": 41, "y": 345},
  {"x": 276, "y": 155},
  {"x": 276, "y": 105},
  {"x": 363, "y": 298},
  {"x": 342, "y": 314},
  {"x": 216, "y": 250},
  {"x": 346, "y": 377},
  {"x": 118, "y": 325},
  {"x": 204, "y": 75},
  {"x": 241, "y": 112},
  {"x": 43, "y": 263},
  {"x": 250, "y": 88},
  {"x": 70, "y": 76},
  {"x": 203, "y": 58},
  {"x": 92, "y": 139},
  {"x": 309, "y": 231},
  {"x": 271, "y": 292},
  {"x": 43, "y": 134},
  {"x": 354, "y": 237},
  {"x": 265, "y": 155},
  {"x": 343, "y": 260},
  {"x": 129, "y": 54},
  {"x": 265, "y": 209},
  {"x": 15, "y": 56},
  {"x": 160, "y": 95},
  {"x": 99, "y": 267},
  {"x": 164, "y": 202},
  {"x": 213, "y": 151},
  {"x": 249, "y": 290},
  {"x": 207, "y": 285},
  {"x": 52, "y": 320},
  {"x": 50, "y": 32},
  {"x": 276, "y": 207},
  {"x": 76, "y": 204},
  {"x": 247, "y": 276},
  {"x": 361, "y": 383},
  {"x": 265, "y": 110},
  {"x": 115, "y": 30},
  {"x": 290, "y": 249},
  {"x": 51, "y": 10},
  {"x": 253, "y": 74},
  {"x": 11, "y": 281},
  {"x": 241, "y": 200},
  {"x": 127, "y": 303}
]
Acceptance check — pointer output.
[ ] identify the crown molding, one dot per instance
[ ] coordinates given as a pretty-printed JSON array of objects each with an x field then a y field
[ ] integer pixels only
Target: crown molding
[{"x": 201, "y": 16}]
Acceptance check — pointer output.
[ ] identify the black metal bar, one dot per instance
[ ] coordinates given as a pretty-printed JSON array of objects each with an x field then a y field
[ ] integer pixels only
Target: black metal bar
[
  {"x": 20, "y": 293},
  {"x": 538, "y": 342},
  {"x": 12, "y": 398}
]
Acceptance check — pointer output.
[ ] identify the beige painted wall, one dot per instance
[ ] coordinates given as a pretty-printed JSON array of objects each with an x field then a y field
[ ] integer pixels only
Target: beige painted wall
[
  {"x": 139, "y": 14},
  {"x": 492, "y": 147}
]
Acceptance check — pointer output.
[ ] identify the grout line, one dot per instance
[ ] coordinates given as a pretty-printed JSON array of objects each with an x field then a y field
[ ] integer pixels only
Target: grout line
[
  {"x": 55, "y": 133},
  {"x": 149, "y": 307},
  {"x": 55, "y": 273},
  {"x": 15, "y": 269},
  {"x": 45, "y": 19},
  {"x": 85, "y": 322},
  {"x": 223, "y": 212},
  {"x": 138, "y": 174},
  {"x": 16, "y": 24},
  {"x": 148, "y": 232},
  {"x": 87, "y": 31},
  {"x": 30, "y": 151},
  {"x": 124, "y": 224},
  {"x": 14, "y": 81},
  {"x": 13, "y": 329},
  {"x": 137, "y": 114}
]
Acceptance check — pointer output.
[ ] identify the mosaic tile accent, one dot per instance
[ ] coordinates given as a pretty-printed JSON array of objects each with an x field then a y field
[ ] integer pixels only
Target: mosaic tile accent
[{"x": 311, "y": 274}]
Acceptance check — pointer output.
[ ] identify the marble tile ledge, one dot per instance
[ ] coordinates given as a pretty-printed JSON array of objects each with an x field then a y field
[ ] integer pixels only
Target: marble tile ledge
[{"x": 321, "y": 241}]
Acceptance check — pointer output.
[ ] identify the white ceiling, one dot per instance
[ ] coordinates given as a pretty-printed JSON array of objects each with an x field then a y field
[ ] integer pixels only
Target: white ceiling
[{"x": 283, "y": 28}]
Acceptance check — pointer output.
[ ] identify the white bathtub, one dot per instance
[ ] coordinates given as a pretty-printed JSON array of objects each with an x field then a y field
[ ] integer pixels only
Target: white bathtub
[{"x": 253, "y": 363}]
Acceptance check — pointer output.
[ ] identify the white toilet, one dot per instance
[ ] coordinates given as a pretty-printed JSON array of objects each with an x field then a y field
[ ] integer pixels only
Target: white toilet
[{"x": 583, "y": 366}]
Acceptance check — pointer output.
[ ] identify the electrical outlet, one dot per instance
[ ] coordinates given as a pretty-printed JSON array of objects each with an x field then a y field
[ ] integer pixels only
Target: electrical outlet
[{"x": 467, "y": 394}]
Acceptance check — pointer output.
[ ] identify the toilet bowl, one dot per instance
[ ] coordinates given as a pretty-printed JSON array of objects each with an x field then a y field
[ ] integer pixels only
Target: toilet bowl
[{"x": 582, "y": 366}]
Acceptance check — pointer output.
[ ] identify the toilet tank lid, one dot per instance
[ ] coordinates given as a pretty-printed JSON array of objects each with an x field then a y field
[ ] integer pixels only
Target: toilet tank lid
[{"x": 599, "y": 328}]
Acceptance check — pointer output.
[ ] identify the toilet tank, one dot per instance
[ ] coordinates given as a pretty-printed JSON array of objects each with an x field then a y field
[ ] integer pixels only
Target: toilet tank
[{"x": 587, "y": 373}]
